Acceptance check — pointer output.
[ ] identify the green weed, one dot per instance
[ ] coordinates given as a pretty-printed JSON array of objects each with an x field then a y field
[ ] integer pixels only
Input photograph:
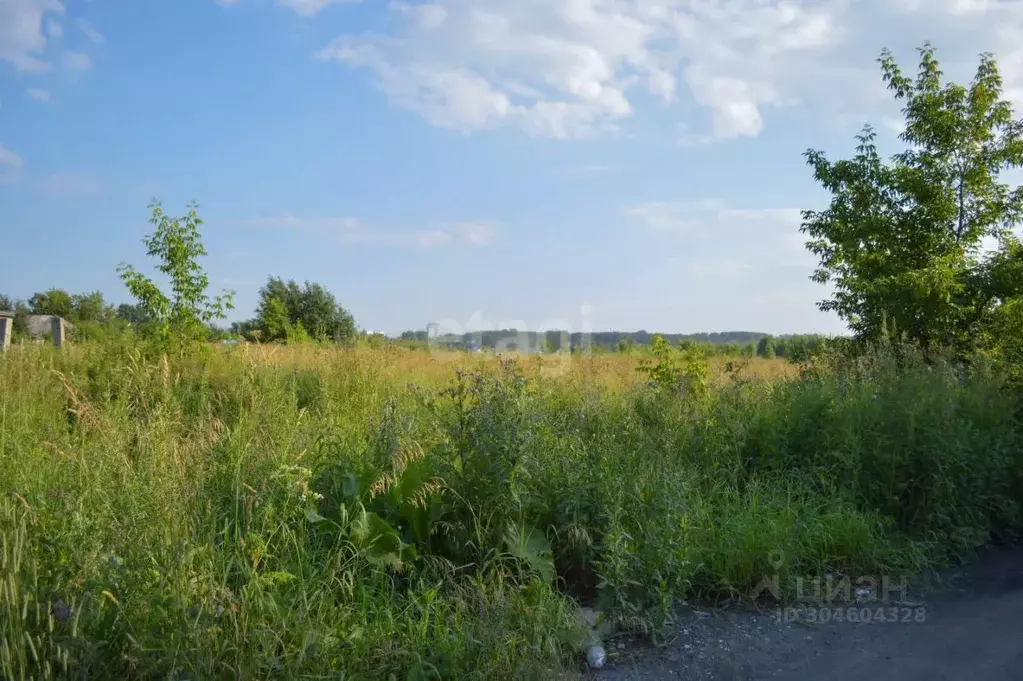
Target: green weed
[{"x": 234, "y": 515}]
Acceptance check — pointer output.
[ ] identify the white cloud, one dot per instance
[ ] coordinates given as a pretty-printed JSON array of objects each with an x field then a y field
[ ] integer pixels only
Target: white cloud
[
  {"x": 960, "y": 29},
  {"x": 90, "y": 32},
  {"x": 1010, "y": 58},
  {"x": 572, "y": 68},
  {"x": 953, "y": 7},
  {"x": 712, "y": 235},
  {"x": 569, "y": 68},
  {"x": 476, "y": 233},
  {"x": 662, "y": 217},
  {"x": 305, "y": 8},
  {"x": 9, "y": 160},
  {"x": 39, "y": 95},
  {"x": 595, "y": 168},
  {"x": 352, "y": 231},
  {"x": 723, "y": 266},
  {"x": 28, "y": 31},
  {"x": 76, "y": 61},
  {"x": 295, "y": 222},
  {"x": 71, "y": 184},
  {"x": 22, "y": 39},
  {"x": 308, "y": 8}
]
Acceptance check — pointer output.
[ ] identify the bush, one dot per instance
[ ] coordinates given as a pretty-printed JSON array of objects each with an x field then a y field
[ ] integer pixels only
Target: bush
[{"x": 225, "y": 515}]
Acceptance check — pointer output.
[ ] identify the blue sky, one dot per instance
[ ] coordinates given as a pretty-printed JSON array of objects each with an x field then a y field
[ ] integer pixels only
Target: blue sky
[{"x": 602, "y": 164}]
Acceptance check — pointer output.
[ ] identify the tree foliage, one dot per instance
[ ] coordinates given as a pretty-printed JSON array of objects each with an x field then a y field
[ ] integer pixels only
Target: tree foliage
[
  {"x": 766, "y": 347},
  {"x": 90, "y": 315},
  {"x": 53, "y": 301},
  {"x": 180, "y": 317},
  {"x": 90, "y": 307},
  {"x": 74, "y": 307},
  {"x": 288, "y": 311},
  {"x": 680, "y": 370},
  {"x": 902, "y": 240},
  {"x": 132, "y": 314}
]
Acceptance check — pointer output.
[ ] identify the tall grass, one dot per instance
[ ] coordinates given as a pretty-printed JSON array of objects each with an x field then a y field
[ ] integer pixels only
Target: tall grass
[{"x": 376, "y": 515}]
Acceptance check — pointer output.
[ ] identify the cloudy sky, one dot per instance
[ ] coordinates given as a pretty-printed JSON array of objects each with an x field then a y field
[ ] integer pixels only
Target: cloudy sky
[{"x": 611, "y": 164}]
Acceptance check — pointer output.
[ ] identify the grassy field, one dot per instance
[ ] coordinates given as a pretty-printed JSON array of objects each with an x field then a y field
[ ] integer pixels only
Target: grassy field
[
  {"x": 396, "y": 366},
  {"x": 287, "y": 513}
]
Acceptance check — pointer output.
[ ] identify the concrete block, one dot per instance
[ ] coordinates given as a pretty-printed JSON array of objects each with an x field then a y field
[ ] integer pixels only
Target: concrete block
[
  {"x": 57, "y": 331},
  {"x": 6, "y": 329}
]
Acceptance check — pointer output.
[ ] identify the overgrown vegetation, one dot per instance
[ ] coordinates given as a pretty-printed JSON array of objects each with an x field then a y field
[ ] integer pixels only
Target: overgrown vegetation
[
  {"x": 270, "y": 512},
  {"x": 235, "y": 517}
]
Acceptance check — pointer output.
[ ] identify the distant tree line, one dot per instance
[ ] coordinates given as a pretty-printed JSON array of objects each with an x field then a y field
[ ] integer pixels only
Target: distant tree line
[
  {"x": 609, "y": 340},
  {"x": 726, "y": 344},
  {"x": 286, "y": 312},
  {"x": 89, "y": 313},
  {"x": 290, "y": 312}
]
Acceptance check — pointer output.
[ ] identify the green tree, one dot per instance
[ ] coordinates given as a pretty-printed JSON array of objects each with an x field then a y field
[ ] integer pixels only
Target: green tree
[
  {"x": 801, "y": 348},
  {"x": 53, "y": 301},
  {"x": 90, "y": 307},
  {"x": 662, "y": 370},
  {"x": 243, "y": 328},
  {"x": 901, "y": 240},
  {"x": 180, "y": 317},
  {"x": 322, "y": 317},
  {"x": 21, "y": 311},
  {"x": 92, "y": 318},
  {"x": 133, "y": 314},
  {"x": 273, "y": 319},
  {"x": 765, "y": 348},
  {"x": 275, "y": 298},
  {"x": 681, "y": 370},
  {"x": 283, "y": 306},
  {"x": 1000, "y": 305},
  {"x": 625, "y": 346}
]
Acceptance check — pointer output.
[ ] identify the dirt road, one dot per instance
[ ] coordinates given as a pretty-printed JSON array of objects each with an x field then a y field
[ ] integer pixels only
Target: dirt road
[{"x": 969, "y": 628}]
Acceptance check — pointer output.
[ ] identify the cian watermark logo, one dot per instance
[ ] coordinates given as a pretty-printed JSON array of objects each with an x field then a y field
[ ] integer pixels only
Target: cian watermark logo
[
  {"x": 861, "y": 614},
  {"x": 556, "y": 339},
  {"x": 878, "y": 598}
]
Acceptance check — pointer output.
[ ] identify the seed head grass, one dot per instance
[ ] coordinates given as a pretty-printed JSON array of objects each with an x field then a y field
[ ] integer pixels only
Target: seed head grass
[{"x": 265, "y": 512}]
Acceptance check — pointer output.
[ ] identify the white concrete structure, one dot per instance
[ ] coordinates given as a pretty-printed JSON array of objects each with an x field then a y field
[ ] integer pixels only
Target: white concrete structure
[
  {"x": 39, "y": 325},
  {"x": 6, "y": 328}
]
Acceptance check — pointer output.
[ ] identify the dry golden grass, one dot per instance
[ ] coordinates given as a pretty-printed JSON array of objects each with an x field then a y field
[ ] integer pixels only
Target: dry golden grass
[{"x": 399, "y": 365}]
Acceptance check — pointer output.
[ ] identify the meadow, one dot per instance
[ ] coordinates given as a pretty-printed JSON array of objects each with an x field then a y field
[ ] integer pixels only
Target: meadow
[{"x": 269, "y": 512}]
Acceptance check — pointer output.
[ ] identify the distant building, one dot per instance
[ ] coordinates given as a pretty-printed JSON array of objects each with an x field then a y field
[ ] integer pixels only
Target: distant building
[{"x": 42, "y": 326}]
